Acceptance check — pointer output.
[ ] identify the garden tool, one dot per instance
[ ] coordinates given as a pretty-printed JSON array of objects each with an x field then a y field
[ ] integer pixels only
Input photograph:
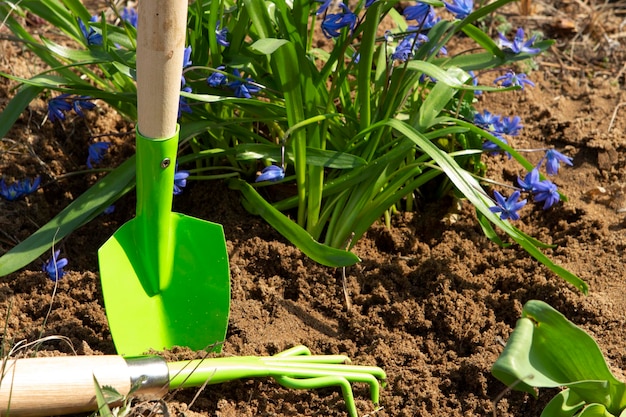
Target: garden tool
[
  {"x": 67, "y": 385},
  {"x": 165, "y": 275}
]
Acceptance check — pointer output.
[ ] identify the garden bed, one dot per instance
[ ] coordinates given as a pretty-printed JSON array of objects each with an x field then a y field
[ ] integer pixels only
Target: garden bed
[{"x": 433, "y": 300}]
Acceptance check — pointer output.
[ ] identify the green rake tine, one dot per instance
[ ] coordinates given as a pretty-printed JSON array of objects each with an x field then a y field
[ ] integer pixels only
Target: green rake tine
[{"x": 323, "y": 381}]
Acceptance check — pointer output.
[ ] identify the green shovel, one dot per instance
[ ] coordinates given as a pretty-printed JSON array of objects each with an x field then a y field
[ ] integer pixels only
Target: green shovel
[{"x": 165, "y": 276}]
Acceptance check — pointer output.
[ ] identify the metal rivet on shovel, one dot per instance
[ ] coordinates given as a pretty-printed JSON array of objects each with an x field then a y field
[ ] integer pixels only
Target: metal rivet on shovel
[{"x": 165, "y": 276}]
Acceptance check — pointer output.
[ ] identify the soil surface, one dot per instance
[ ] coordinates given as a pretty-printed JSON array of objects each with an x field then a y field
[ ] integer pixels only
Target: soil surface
[{"x": 433, "y": 300}]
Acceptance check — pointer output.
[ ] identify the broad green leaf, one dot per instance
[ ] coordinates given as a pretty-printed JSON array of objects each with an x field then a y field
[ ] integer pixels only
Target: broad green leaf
[
  {"x": 83, "y": 209},
  {"x": 322, "y": 254},
  {"x": 595, "y": 410},
  {"x": 547, "y": 350},
  {"x": 565, "y": 404}
]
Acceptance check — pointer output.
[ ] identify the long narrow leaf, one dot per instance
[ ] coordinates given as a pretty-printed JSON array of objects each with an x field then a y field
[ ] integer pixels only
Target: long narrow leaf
[
  {"x": 322, "y": 254},
  {"x": 472, "y": 190},
  {"x": 84, "y": 208},
  {"x": 16, "y": 106}
]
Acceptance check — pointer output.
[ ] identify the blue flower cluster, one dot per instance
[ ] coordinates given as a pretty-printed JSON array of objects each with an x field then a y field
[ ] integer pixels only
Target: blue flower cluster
[
  {"x": 242, "y": 87},
  {"x": 58, "y": 106},
  {"x": 543, "y": 191},
  {"x": 410, "y": 43},
  {"x": 425, "y": 16},
  {"x": 129, "y": 15},
  {"x": 18, "y": 189},
  {"x": 498, "y": 126}
]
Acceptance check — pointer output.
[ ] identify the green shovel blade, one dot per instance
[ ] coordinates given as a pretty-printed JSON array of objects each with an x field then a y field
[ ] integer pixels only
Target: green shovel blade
[{"x": 165, "y": 276}]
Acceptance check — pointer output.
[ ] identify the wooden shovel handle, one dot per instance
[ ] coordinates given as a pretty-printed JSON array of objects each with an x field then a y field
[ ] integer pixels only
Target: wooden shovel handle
[{"x": 161, "y": 32}]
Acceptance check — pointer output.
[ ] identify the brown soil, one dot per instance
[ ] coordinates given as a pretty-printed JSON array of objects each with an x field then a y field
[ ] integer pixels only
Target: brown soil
[{"x": 432, "y": 301}]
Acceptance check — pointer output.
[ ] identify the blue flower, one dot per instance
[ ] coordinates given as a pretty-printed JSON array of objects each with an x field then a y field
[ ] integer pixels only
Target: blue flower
[
  {"x": 490, "y": 146},
  {"x": 271, "y": 173},
  {"x": 109, "y": 210},
  {"x": 187, "y": 57},
  {"x": 54, "y": 267},
  {"x": 368, "y": 3},
  {"x": 417, "y": 12},
  {"x": 325, "y": 5},
  {"x": 529, "y": 181},
  {"x": 409, "y": 44},
  {"x": 460, "y": 8},
  {"x": 404, "y": 50},
  {"x": 217, "y": 79},
  {"x": 509, "y": 125},
  {"x": 486, "y": 120},
  {"x": 183, "y": 106},
  {"x": 180, "y": 180},
  {"x": 423, "y": 13},
  {"x": 186, "y": 63},
  {"x": 129, "y": 14},
  {"x": 508, "y": 208},
  {"x": 475, "y": 82},
  {"x": 57, "y": 107},
  {"x": 546, "y": 191},
  {"x": 243, "y": 89},
  {"x": 80, "y": 103},
  {"x": 334, "y": 23},
  {"x": 96, "y": 153},
  {"x": 221, "y": 35},
  {"x": 553, "y": 159},
  {"x": 518, "y": 45},
  {"x": 18, "y": 189},
  {"x": 91, "y": 36},
  {"x": 512, "y": 79}
]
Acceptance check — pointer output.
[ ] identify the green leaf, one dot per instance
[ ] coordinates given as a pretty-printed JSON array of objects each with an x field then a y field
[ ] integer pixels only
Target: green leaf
[
  {"x": 439, "y": 97},
  {"x": 322, "y": 254},
  {"x": 16, "y": 106},
  {"x": 489, "y": 231},
  {"x": 481, "y": 38},
  {"x": 595, "y": 410},
  {"x": 546, "y": 350},
  {"x": 452, "y": 76},
  {"x": 87, "y": 206},
  {"x": 565, "y": 404},
  {"x": 103, "y": 405},
  {"x": 267, "y": 46},
  {"x": 315, "y": 157}
]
